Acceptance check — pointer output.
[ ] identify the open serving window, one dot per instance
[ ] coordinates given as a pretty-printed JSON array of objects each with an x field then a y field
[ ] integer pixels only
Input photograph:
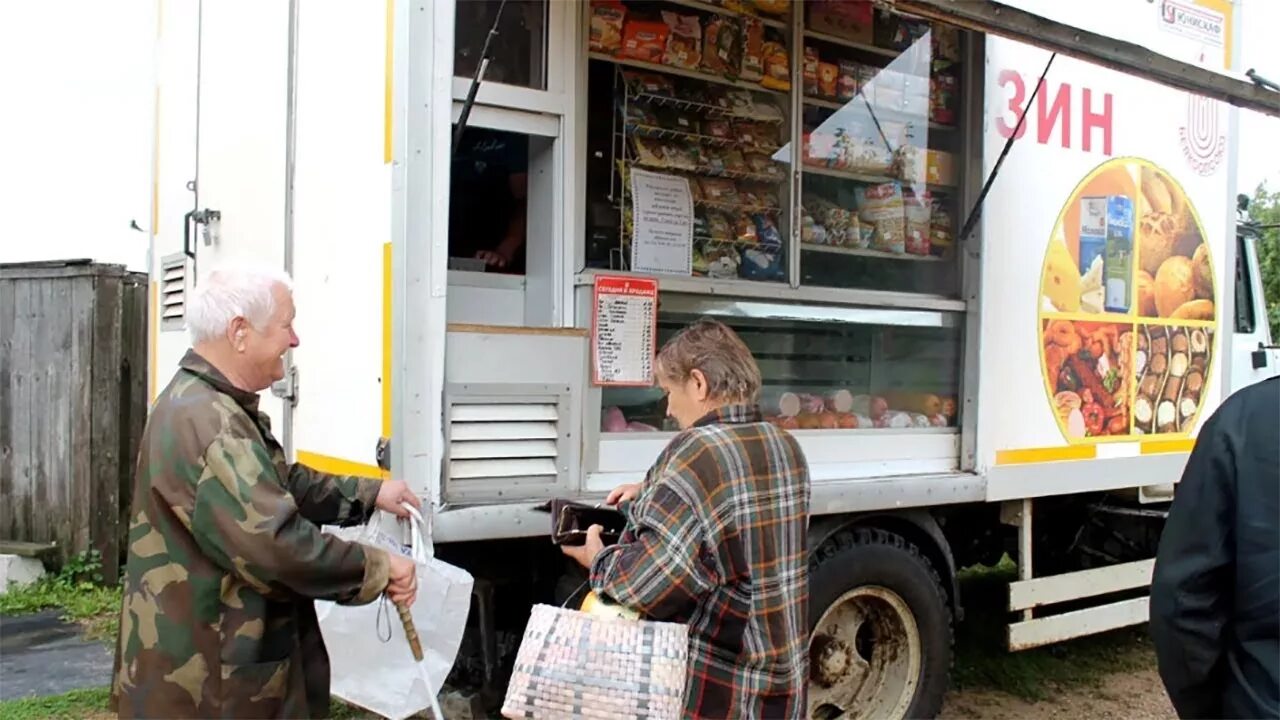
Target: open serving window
[{"x": 820, "y": 147}]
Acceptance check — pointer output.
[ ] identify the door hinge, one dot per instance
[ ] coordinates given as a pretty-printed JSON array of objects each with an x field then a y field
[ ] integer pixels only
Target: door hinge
[{"x": 287, "y": 388}]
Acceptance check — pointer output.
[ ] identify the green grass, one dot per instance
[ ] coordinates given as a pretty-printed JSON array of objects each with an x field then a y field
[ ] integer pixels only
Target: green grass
[
  {"x": 983, "y": 663},
  {"x": 93, "y": 703},
  {"x": 69, "y": 706},
  {"x": 77, "y": 591}
]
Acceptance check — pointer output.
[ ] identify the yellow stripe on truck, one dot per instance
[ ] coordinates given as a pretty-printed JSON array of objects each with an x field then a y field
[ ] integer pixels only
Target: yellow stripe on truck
[
  {"x": 1029, "y": 456},
  {"x": 338, "y": 466},
  {"x": 1164, "y": 447}
]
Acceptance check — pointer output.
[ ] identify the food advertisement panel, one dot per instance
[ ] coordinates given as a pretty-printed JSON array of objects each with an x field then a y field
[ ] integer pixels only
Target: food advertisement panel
[{"x": 1105, "y": 240}]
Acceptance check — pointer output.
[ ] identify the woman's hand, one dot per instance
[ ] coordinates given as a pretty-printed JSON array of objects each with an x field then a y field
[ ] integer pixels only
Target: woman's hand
[
  {"x": 623, "y": 493},
  {"x": 586, "y": 553}
]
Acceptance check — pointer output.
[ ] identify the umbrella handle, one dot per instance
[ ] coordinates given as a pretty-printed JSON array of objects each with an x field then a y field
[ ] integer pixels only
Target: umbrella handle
[{"x": 410, "y": 631}]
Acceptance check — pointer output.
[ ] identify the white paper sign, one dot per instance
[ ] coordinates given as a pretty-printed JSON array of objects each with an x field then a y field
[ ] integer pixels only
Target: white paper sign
[
  {"x": 662, "y": 212},
  {"x": 624, "y": 330}
]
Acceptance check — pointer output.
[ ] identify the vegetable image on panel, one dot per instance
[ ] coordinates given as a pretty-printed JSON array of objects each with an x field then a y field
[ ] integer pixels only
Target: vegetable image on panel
[{"x": 1127, "y": 307}]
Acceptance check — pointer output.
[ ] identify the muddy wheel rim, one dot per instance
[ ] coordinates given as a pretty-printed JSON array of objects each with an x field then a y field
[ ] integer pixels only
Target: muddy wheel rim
[{"x": 864, "y": 657}]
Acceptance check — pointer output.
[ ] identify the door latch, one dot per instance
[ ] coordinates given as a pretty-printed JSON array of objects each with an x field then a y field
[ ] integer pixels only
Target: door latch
[{"x": 287, "y": 387}]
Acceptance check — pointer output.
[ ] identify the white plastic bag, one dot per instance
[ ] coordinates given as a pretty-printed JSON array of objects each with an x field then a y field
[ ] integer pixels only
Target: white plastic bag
[{"x": 380, "y": 674}]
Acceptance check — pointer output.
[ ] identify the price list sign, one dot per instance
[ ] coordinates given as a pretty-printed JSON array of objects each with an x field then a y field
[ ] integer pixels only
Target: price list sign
[{"x": 624, "y": 328}]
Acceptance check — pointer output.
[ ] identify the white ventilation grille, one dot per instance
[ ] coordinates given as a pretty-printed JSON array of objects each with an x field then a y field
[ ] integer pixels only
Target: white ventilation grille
[
  {"x": 173, "y": 292},
  {"x": 499, "y": 449}
]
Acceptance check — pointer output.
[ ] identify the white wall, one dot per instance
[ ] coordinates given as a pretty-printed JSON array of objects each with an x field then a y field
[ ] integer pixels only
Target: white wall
[{"x": 75, "y": 130}]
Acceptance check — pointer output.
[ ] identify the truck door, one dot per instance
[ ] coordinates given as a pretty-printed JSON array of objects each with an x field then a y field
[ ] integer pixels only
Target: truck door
[
  {"x": 1254, "y": 356},
  {"x": 239, "y": 186}
]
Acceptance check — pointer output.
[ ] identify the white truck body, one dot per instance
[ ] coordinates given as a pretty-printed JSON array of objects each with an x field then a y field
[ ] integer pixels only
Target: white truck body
[{"x": 321, "y": 133}]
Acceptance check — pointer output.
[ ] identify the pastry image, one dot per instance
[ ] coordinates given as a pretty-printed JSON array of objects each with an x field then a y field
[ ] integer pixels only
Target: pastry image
[{"x": 1174, "y": 285}]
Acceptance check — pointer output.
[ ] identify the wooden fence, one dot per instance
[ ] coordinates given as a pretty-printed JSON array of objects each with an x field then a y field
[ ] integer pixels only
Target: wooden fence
[{"x": 73, "y": 367}]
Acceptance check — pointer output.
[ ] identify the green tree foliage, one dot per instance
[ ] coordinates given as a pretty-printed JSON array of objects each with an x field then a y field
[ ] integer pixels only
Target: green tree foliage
[{"x": 1264, "y": 209}]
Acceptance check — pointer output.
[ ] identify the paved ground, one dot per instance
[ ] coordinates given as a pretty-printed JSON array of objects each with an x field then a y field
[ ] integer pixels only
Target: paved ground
[{"x": 42, "y": 655}]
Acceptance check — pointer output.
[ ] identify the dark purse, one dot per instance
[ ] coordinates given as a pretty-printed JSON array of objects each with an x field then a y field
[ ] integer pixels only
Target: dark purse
[{"x": 570, "y": 520}]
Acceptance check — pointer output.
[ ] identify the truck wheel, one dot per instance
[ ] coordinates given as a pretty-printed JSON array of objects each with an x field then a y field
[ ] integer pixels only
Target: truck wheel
[{"x": 880, "y": 629}]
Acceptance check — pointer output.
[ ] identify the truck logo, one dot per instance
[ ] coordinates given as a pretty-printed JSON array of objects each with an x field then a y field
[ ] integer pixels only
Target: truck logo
[
  {"x": 1203, "y": 142},
  {"x": 1193, "y": 21}
]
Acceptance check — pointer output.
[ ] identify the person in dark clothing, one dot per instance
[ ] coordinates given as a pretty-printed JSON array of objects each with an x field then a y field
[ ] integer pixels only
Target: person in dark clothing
[
  {"x": 1215, "y": 593},
  {"x": 487, "y": 199}
]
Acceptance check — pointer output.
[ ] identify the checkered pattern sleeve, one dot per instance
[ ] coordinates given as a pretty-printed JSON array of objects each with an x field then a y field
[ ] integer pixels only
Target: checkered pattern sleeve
[{"x": 656, "y": 569}]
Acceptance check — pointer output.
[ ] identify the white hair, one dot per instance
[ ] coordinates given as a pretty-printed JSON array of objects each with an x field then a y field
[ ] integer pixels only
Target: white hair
[{"x": 230, "y": 292}]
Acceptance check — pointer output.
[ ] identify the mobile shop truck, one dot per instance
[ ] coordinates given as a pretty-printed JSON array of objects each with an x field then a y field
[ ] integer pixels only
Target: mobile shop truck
[{"x": 1021, "y": 370}]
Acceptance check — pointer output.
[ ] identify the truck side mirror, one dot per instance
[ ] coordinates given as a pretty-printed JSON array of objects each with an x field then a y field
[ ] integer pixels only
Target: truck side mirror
[{"x": 383, "y": 453}]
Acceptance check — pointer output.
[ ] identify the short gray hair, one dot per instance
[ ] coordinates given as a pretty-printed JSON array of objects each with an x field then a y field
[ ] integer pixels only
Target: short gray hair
[
  {"x": 713, "y": 348},
  {"x": 230, "y": 292}
]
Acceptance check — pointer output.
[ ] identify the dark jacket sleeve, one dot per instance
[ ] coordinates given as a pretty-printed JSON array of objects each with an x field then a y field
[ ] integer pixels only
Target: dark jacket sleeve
[
  {"x": 1192, "y": 581},
  {"x": 327, "y": 499}
]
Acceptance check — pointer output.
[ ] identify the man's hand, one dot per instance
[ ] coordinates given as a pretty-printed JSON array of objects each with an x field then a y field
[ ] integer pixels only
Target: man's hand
[
  {"x": 392, "y": 494},
  {"x": 492, "y": 257},
  {"x": 586, "y": 552},
  {"x": 622, "y": 493},
  {"x": 402, "y": 587}
]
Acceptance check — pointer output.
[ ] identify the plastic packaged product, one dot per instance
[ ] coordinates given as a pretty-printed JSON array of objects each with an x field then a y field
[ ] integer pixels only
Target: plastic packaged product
[
  {"x": 718, "y": 227},
  {"x": 752, "y": 49},
  {"x": 766, "y": 112},
  {"x": 735, "y": 161},
  {"x": 880, "y": 207},
  {"x": 777, "y": 67},
  {"x": 811, "y": 233},
  {"x": 772, "y": 7},
  {"x": 847, "y": 83},
  {"x": 650, "y": 84},
  {"x": 739, "y": 103},
  {"x": 644, "y": 40},
  {"x": 828, "y": 77},
  {"x": 683, "y": 155},
  {"x": 719, "y": 190},
  {"x": 760, "y": 264},
  {"x": 684, "y": 41},
  {"x": 811, "y": 72},
  {"x": 681, "y": 121},
  {"x": 640, "y": 114},
  {"x": 650, "y": 152},
  {"x": 722, "y": 47},
  {"x": 744, "y": 230},
  {"x": 918, "y": 214},
  {"x": 607, "y": 17},
  {"x": 867, "y": 82},
  {"x": 942, "y": 98},
  {"x": 718, "y": 129},
  {"x": 762, "y": 164},
  {"x": 941, "y": 228},
  {"x": 767, "y": 232},
  {"x": 723, "y": 260}
]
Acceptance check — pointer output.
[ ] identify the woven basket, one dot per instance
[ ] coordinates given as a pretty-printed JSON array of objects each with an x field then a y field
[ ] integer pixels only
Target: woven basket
[{"x": 572, "y": 664}]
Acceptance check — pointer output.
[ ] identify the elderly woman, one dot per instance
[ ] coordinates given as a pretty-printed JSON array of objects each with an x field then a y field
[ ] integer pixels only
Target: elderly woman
[
  {"x": 225, "y": 549},
  {"x": 716, "y": 535}
]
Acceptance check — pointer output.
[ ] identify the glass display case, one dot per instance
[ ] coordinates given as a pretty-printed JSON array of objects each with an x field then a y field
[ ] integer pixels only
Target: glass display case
[{"x": 823, "y": 368}]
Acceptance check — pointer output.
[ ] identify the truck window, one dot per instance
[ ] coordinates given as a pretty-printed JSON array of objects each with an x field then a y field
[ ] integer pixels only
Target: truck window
[
  {"x": 878, "y": 139},
  {"x": 488, "y": 197},
  {"x": 1245, "y": 321},
  {"x": 517, "y": 56},
  {"x": 694, "y": 131}
]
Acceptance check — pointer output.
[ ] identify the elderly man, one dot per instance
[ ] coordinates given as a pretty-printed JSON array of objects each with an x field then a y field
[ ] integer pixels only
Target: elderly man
[{"x": 225, "y": 549}]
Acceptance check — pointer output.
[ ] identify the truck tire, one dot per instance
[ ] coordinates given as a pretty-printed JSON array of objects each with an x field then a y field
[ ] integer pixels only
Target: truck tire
[{"x": 880, "y": 629}]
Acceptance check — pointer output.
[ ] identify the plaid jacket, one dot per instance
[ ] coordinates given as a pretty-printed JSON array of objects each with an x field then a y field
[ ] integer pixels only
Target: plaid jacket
[{"x": 717, "y": 539}]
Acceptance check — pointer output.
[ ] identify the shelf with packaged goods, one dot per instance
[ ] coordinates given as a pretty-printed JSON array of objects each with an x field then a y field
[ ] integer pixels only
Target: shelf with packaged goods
[
  {"x": 868, "y": 252},
  {"x": 874, "y": 179},
  {"x": 682, "y": 72},
  {"x": 730, "y": 12},
  {"x": 852, "y": 44},
  {"x": 884, "y": 113},
  {"x": 662, "y": 133},
  {"x": 706, "y": 109}
]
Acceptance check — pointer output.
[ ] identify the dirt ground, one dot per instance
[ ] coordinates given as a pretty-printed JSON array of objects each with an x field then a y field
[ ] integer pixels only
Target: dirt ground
[{"x": 1125, "y": 694}]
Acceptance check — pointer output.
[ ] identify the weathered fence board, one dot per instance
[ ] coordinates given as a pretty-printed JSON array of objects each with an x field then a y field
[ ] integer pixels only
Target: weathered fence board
[{"x": 73, "y": 349}]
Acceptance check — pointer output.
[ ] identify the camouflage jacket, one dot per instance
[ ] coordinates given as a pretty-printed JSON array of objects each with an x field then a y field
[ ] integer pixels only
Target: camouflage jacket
[{"x": 225, "y": 558}]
